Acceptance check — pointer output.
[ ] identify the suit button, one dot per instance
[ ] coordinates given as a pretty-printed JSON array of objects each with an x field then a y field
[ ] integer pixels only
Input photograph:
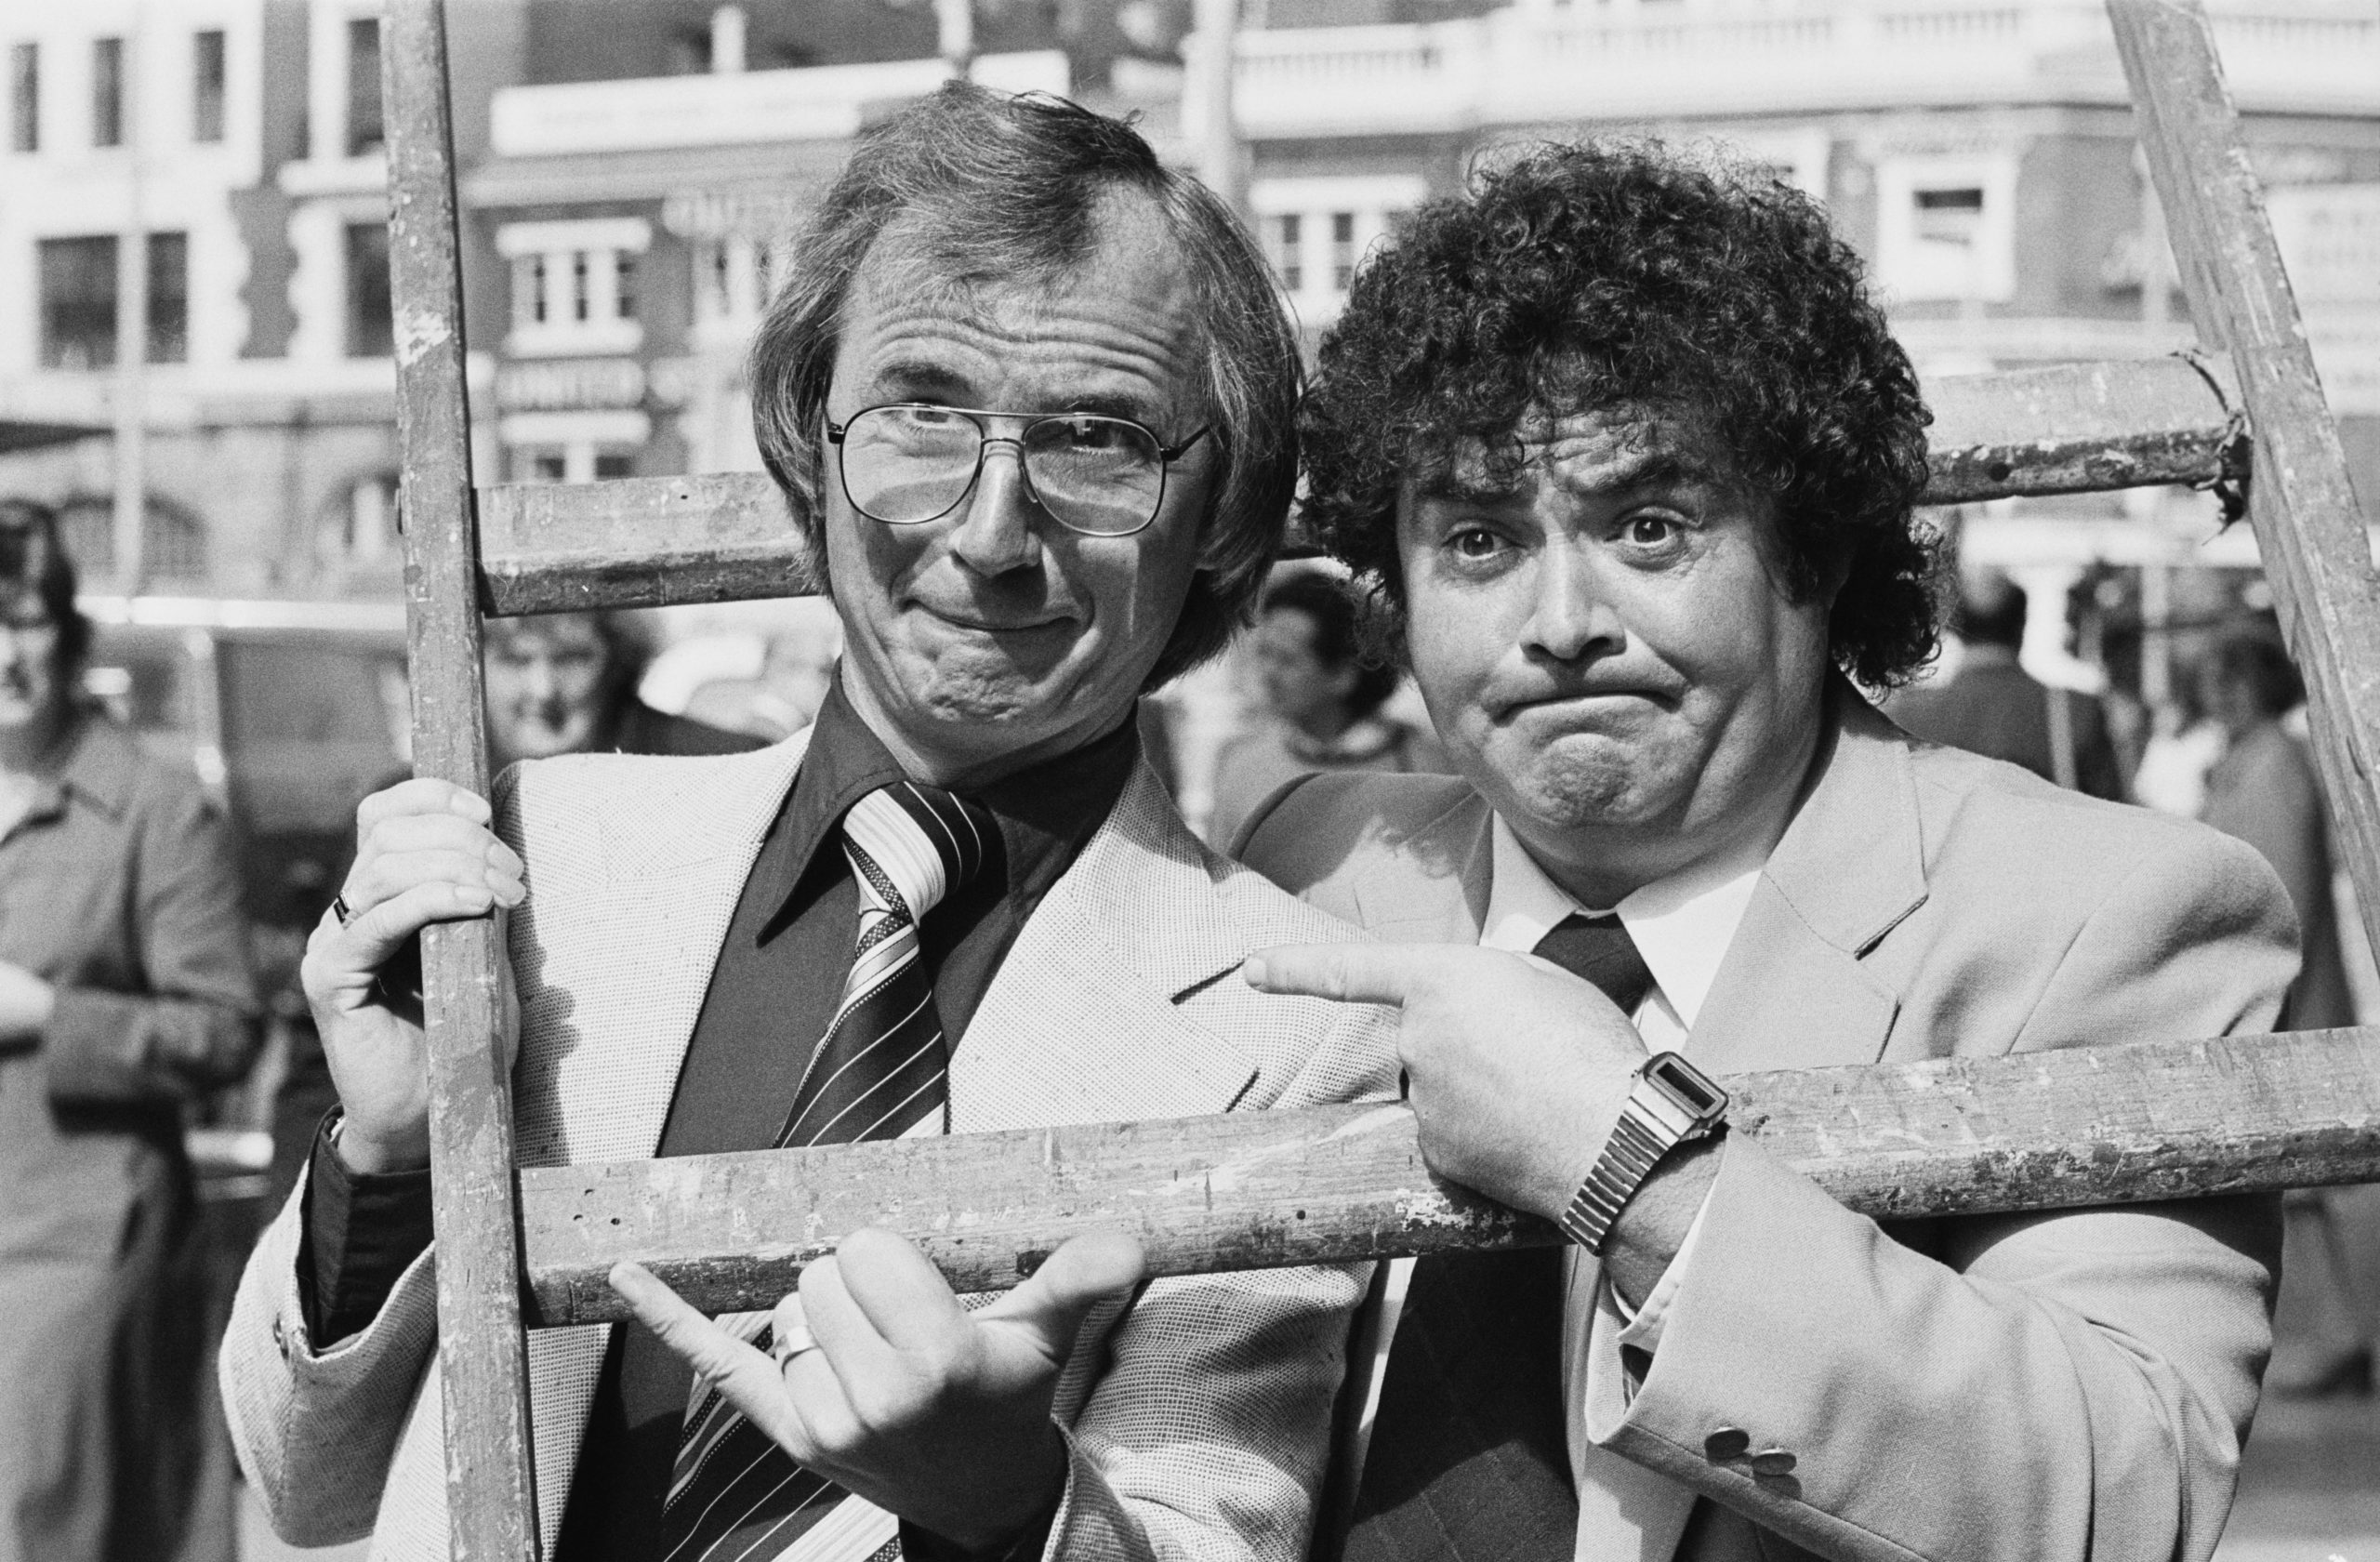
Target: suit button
[
  {"x": 1772, "y": 1462},
  {"x": 1725, "y": 1444},
  {"x": 279, "y": 1338}
]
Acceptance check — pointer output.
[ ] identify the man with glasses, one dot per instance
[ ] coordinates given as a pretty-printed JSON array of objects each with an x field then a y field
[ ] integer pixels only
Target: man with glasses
[{"x": 1030, "y": 396}]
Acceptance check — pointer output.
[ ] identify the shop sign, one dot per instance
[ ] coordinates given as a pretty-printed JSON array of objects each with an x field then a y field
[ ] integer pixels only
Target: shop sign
[
  {"x": 570, "y": 384},
  {"x": 748, "y": 214}
]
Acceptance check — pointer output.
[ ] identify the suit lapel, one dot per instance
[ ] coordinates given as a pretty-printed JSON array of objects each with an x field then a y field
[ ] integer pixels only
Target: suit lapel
[
  {"x": 1793, "y": 991},
  {"x": 643, "y": 890},
  {"x": 1081, "y": 1023},
  {"x": 1432, "y": 890}
]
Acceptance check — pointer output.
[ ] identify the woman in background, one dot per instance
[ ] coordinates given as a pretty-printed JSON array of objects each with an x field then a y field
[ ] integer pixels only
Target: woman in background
[{"x": 125, "y": 993}]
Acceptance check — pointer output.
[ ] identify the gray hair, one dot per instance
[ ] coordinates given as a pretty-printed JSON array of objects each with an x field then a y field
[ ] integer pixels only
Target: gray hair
[{"x": 1010, "y": 190}]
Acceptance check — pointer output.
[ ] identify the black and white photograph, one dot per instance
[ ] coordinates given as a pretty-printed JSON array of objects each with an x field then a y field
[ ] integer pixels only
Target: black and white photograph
[{"x": 1190, "y": 781}]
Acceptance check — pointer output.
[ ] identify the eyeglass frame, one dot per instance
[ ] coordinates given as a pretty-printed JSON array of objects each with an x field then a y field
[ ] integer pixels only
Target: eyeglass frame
[{"x": 985, "y": 439}]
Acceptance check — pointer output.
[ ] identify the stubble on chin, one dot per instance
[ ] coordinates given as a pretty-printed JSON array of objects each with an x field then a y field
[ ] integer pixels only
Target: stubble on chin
[{"x": 1566, "y": 786}]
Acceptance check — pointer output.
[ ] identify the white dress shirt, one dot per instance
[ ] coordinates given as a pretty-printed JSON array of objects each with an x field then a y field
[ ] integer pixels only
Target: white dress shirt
[{"x": 1682, "y": 925}]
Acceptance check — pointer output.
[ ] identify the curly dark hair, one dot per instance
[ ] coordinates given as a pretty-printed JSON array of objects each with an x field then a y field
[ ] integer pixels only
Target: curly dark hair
[{"x": 1583, "y": 278}]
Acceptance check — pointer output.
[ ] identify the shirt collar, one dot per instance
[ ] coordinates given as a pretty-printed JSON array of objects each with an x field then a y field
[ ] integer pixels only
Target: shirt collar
[
  {"x": 1046, "y": 811},
  {"x": 1681, "y": 924},
  {"x": 97, "y": 766}
]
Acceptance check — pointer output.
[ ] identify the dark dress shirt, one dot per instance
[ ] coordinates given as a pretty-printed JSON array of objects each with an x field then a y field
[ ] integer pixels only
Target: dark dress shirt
[{"x": 773, "y": 993}]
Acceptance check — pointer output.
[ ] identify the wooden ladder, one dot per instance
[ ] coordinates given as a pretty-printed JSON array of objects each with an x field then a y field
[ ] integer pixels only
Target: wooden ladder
[{"x": 2161, "y": 1120}]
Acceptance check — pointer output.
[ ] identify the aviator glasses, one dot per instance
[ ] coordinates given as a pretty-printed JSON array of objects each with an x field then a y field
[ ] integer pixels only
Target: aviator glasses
[{"x": 911, "y": 462}]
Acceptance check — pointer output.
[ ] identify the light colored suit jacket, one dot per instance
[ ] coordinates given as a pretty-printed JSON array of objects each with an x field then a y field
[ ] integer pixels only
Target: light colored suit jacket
[
  {"x": 1197, "y": 1420},
  {"x": 2023, "y": 1387}
]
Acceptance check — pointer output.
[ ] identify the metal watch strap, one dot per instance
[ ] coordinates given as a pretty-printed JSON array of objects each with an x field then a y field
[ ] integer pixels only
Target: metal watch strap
[
  {"x": 1671, "y": 1103},
  {"x": 1627, "y": 1160}
]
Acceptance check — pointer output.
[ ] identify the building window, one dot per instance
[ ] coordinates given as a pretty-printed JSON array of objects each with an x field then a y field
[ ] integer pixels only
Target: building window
[
  {"x": 173, "y": 540},
  {"x": 107, "y": 92},
  {"x": 575, "y": 284},
  {"x": 206, "y": 85},
  {"x": 168, "y": 298},
  {"x": 1316, "y": 231},
  {"x": 714, "y": 275},
  {"x": 24, "y": 98},
  {"x": 78, "y": 303},
  {"x": 364, "y": 127},
  {"x": 528, "y": 291},
  {"x": 359, "y": 527},
  {"x": 1945, "y": 228},
  {"x": 572, "y": 460},
  {"x": 735, "y": 278},
  {"x": 1342, "y": 251},
  {"x": 1287, "y": 232},
  {"x": 371, "y": 315},
  {"x": 78, "y": 297}
]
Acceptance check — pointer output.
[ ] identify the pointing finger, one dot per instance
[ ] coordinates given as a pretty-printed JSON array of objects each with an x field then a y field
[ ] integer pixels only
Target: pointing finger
[
  {"x": 747, "y": 1378},
  {"x": 1351, "y": 973}
]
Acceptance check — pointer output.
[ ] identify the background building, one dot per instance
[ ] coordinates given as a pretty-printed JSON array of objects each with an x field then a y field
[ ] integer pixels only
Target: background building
[{"x": 207, "y": 175}]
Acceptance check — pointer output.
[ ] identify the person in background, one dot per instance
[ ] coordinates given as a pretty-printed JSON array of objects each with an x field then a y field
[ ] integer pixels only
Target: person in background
[
  {"x": 1991, "y": 706},
  {"x": 125, "y": 994},
  {"x": 2264, "y": 791},
  {"x": 1322, "y": 704},
  {"x": 557, "y": 684},
  {"x": 565, "y": 683}
]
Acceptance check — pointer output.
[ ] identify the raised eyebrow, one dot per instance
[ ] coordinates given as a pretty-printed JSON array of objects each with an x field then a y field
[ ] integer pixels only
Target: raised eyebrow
[
  {"x": 1105, "y": 404},
  {"x": 916, "y": 380}
]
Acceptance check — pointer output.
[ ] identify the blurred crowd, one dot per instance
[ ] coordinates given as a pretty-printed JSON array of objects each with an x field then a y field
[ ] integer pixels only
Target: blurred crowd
[{"x": 147, "y": 966}]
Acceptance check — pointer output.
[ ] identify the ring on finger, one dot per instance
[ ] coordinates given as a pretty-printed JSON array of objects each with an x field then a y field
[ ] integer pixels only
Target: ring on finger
[
  {"x": 340, "y": 909},
  {"x": 790, "y": 1341}
]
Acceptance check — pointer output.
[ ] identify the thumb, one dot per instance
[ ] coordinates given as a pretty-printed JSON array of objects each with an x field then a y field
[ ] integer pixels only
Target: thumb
[{"x": 1085, "y": 1271}]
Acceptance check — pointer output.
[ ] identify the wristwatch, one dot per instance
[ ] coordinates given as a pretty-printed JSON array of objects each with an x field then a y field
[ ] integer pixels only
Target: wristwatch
[{"x": 1672, "y": 1102}]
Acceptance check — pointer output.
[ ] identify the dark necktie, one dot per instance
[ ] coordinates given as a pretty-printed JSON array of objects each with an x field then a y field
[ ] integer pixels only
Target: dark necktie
[
  {"x": 882, "y": 1071},
  {"x": 1468, "y": 1461}
]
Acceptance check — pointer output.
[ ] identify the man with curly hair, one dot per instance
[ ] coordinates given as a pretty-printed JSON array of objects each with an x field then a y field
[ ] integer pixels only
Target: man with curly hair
[{"x": 1630, "y": 459}]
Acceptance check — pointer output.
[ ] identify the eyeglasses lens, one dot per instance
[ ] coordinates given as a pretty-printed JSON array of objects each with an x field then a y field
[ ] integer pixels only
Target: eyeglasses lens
[
  {"x": 904, "y": 465},
  {"x": 1100, "y": 475}
]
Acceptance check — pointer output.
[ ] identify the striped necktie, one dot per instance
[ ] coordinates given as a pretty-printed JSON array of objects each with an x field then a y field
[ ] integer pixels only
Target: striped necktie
[
  {"x": 880, "y": 1072},
  {"x": 1469, "y": 1459}
]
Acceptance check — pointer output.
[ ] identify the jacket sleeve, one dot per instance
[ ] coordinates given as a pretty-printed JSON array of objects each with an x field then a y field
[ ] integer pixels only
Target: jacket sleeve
[
  {"x": 194, "y": 1028},
  {"x": 2028, "y": 1387},
  {"x": 1207, "y": 1424},
  {"x": 315, "y": 1429}
]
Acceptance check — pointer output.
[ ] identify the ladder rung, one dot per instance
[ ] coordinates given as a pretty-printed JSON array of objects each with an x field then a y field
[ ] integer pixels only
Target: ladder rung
[
  {"x": 2047, "y": 1129},
  {"x": 658, "y": 541}
]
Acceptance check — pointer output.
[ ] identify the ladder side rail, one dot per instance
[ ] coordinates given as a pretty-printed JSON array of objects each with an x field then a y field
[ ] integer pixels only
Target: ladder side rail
[
  {"x": 1957, "y": 1136},
  {"x": 481, "y": 1350},
  {"x": 2316, "y": 552},
  {"x": 727, "y": 537}
]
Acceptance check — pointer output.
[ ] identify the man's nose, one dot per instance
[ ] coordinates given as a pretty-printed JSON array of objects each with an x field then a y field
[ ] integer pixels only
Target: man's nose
[
  {"x": 1571, "y": 616},
  {"x": 996, "y": 532}
]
